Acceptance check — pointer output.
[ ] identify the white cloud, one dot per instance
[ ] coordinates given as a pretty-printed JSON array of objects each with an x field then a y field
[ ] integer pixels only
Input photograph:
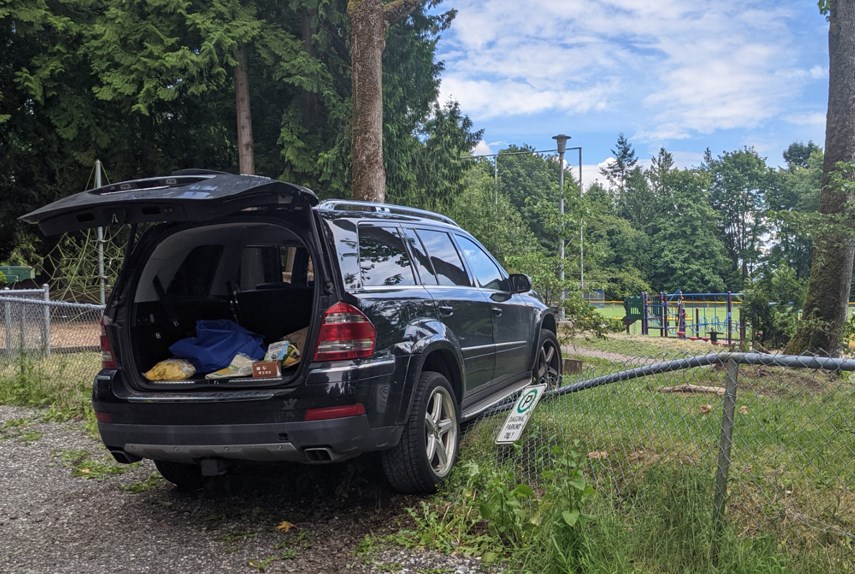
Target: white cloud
[
  {"x": 678, "y": 69},
  {"x": 482, "y": 148},
  {"x": 518, "y": 97},
  {"x": 816, "y": 119},
  {"x": 819, "y": 72}
]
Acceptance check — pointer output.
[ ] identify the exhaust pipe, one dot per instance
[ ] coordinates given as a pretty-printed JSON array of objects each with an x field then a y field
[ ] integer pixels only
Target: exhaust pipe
[
  {"x": 123, "y": 457},
  {"x": 319, "y": 454}
]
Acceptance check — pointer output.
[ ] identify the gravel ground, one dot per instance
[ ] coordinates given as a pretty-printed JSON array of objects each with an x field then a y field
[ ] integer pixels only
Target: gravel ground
[{"x": 53, "y": 521}]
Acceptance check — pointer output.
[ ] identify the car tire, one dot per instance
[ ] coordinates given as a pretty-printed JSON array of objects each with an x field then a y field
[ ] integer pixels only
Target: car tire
[
  {"x": 184, "y": 476},
  {"x": 429, "y": 444},
  {"x": 547, "y": 368}
]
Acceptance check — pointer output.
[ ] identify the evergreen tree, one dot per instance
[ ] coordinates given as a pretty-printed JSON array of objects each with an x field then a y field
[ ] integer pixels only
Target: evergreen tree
[
  {"x": 797, "y": 154},
  {"x": 617, "y": 172},
  {"x": 740, "y": 182},
  {"x": 686, "y": 253},
  {"x": 369, "y": 20}
]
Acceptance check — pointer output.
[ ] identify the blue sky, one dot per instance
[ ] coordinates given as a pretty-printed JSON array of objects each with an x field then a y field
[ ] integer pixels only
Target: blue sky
[{"x": 684, "y": 75}]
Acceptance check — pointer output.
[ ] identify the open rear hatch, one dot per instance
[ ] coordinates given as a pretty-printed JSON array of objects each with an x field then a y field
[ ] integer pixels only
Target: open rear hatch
[
  {"x": 189, "y": 195},
  {"x": 255, "y": 264}
]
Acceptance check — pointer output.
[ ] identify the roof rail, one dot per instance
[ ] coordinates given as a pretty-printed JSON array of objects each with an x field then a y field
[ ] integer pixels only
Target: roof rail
[{"x": 350, "y": 205}]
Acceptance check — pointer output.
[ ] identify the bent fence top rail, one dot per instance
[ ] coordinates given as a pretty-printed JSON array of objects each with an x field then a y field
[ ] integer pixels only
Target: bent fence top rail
[{"x": 789, "y": 361}]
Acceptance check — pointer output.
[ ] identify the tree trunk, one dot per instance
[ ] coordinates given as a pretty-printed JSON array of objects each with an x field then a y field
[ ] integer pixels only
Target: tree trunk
[
  {"x": 367, "y": 40},
  {"x": 827, "y": 295},
  {"x": 246, "y": 158},
  {"x": 368, "y": 22}
]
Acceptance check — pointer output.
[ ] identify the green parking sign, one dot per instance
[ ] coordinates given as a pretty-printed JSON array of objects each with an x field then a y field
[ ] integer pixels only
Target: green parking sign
[{"x": 519, "y": 415}]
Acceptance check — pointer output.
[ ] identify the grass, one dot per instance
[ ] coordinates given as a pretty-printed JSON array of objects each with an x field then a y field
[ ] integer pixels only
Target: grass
[
  {"x": 60, "y": 385},
  {"x": 153, "y": 481},
  {"x": 651, "y": 458},
  {"x": 83, "y": 465},
  {"x": 18, "y": 429},
  {"x": 648, "y": 458}
]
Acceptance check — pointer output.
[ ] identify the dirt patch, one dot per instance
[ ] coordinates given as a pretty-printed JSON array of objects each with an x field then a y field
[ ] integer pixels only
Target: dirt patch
[
  {"x": 63, "y": 335},
  {"x": 783, "y": 382}
]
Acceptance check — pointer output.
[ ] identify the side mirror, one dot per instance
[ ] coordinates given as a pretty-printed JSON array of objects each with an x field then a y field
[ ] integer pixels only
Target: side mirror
[{"x": 519, "y": 283}]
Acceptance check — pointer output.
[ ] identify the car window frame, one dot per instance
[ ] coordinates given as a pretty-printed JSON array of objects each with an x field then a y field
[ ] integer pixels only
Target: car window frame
[
  {"x": 397, "y": 228},
  {"x": 505, "y": 284},
  {"x": 450, "y": 233}
]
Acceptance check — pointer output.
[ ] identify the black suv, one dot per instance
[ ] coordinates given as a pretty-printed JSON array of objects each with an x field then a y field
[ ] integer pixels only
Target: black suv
[{"x": 411, "y": 327}]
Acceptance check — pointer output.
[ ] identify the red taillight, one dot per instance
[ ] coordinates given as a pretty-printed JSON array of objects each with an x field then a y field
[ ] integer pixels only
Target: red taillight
[
  {"x": 107, "y": 359},
  {"x": 104, "y": 417},
  {"x": 334, "y": 412},
  {"x": 346, "y": 333}
]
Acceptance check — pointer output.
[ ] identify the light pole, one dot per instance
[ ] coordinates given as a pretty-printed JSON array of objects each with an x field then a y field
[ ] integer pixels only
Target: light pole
[
  {"x": 561, "y": 140},
  {"x": 496, "y": 166}
]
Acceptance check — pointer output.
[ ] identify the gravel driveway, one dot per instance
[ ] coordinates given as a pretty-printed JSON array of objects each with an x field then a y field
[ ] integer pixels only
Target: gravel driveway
[{"x": 62, "y": 510}]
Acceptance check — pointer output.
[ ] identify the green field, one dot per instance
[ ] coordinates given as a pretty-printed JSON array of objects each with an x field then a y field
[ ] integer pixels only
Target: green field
[{"x": 651, "y": 459}]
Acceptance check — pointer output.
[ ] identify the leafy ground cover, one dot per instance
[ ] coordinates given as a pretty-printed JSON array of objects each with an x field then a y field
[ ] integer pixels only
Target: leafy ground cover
[
  {"x": 60, "y": 384},
  {"x": 620, "y": 478}
]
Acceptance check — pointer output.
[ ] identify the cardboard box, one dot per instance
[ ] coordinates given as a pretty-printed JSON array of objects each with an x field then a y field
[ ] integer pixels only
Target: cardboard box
[{"x": 266, "y": 369}]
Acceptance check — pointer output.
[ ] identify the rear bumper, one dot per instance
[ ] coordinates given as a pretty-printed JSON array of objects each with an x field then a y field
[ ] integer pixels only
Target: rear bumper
[
  {"x": 310, "y": 442},
  {"x": 263, "y": 424}
]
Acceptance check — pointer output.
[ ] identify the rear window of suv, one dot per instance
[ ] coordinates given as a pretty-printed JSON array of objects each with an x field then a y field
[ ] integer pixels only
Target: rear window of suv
[{"x": 383, "y": 260}]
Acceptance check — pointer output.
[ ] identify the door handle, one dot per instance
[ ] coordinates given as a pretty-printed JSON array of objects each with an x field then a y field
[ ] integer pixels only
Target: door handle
[
  {"x": 497, "y": 311},
  {"x": 446, "y": 310}
]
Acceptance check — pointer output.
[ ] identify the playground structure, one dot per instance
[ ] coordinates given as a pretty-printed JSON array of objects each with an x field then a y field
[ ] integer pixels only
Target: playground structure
[{"x": 696, "y": 316}]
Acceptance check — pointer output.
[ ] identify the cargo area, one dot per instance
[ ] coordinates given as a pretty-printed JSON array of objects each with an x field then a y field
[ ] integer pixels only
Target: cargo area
[{"x": 258, "y": 276}]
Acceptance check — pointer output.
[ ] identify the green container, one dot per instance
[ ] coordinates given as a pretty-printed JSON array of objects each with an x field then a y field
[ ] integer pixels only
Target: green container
[{"x": 15, "y": 273}]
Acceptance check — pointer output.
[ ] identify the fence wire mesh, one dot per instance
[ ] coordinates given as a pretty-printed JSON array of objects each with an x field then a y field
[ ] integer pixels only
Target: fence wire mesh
[
  {"x": 641, "y": 424},
  {"x": 49, "y": 349}
]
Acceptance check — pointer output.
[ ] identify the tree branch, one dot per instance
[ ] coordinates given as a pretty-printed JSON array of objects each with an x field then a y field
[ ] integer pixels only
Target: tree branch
[{"x": 397, "y": 10}]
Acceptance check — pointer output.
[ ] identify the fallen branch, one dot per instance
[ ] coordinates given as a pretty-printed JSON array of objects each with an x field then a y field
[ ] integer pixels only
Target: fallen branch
[{"x": 693, "y": 389}]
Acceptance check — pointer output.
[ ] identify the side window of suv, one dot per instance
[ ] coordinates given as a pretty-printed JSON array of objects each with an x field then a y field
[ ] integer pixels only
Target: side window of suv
[
  {"x": 444, "y": 257},
  {"x": 486, "y": 272},
  {"x": 383, "y": 260},
  {"x": 420, "y": 258}
]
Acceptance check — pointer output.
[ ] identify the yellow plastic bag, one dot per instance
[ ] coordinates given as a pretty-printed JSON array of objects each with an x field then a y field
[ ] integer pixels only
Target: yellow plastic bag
[{"x": 171, "y": 370}]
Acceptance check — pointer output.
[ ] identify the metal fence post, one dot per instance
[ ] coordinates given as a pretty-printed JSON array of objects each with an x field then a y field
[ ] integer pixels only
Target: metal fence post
[
  {"x": 8, "y": 308},
  {"x": 46, "y": 336},
  {"x": 725, "y": 443}
]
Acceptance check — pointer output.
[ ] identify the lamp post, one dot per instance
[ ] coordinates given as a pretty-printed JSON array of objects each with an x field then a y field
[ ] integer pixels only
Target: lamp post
[
  {"x": 496, "y": 166},
  {"x": 561, "y": 141}
]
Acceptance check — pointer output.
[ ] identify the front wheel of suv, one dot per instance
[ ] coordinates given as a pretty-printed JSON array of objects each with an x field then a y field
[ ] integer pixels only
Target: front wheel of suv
[
  {"x": 184, "y": 476},
  {"x": 548, "y": 367},
  {"x": 428, "y": 447}
]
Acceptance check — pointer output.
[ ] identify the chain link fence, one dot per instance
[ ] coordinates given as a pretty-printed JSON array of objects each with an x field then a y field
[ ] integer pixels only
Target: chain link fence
[
  {"x": 50, "y": 350},
  {"x": 766, "y": 441}
]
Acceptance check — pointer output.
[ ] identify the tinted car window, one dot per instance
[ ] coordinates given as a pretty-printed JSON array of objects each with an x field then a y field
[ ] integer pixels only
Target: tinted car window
[
  {"x": 487, "y": 273},
  {"x": 444, "y": 257},
  {"x": 383, "y": 259},
  {"x": 194, "y": 276},
  {"x": 421, "y": 259}
]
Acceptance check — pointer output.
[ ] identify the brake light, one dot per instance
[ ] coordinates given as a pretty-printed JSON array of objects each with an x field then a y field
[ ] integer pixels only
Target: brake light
[
  {"x": 326, "y": 413},
  {"x": 346, "y": 333},
  {"x": 107, "y": 359},
  {"x": 102, "y": 417}
]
